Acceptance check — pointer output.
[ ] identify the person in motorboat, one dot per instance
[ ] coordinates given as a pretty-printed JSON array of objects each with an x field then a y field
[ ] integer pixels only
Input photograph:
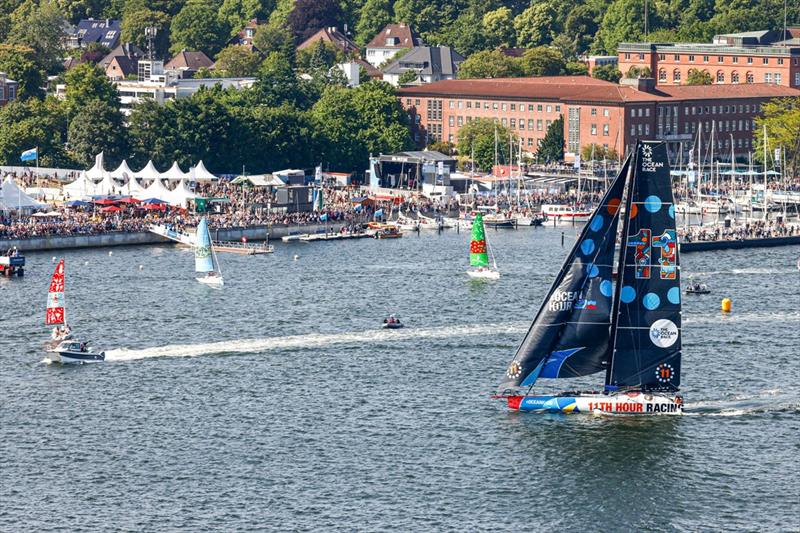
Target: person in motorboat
[
  {"x": 392, "y": 322},
  {"x": 61, "y": 333}
]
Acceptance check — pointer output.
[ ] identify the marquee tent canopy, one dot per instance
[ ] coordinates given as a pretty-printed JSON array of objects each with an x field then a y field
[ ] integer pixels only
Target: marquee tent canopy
[
  {"x": 175, "y": 173},
  {"x": 200, "y": 173},
  {"x": 97, "y": 172},
  {"x": 81, "y": 187},
  {"x": 13, "y": 198}
]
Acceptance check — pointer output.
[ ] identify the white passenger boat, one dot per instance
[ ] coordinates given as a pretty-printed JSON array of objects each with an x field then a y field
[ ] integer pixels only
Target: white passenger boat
[{"x": 564, "y": 214}]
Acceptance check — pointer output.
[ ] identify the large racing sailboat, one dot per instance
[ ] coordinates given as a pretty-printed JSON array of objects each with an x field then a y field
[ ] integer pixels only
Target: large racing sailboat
[
  {"x": 630, "y": 330},
  {"x": 205, "y": 259},
  {"x": 479, "y": 252}
]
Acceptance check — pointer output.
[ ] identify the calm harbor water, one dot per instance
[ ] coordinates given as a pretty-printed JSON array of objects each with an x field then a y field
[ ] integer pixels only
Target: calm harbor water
[{"x": 279, "y": 403}]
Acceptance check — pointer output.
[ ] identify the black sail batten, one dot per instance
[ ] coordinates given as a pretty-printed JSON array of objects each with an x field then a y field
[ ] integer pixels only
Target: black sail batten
[
  {"x": 620, "y": 262},
  {"x": 646, "y": 328},
  {"x": 570, "y": 334}
]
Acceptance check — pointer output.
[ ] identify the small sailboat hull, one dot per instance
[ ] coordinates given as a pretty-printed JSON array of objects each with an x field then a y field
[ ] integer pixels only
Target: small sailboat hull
[
  {"x": 631, "y": 403},
  {"x": 211, "y": 281},
  {"x": 483, "y": 274}
]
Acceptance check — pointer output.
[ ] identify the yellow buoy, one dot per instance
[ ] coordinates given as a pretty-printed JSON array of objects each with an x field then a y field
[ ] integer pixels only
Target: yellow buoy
[{"x": 726, "y": 305}]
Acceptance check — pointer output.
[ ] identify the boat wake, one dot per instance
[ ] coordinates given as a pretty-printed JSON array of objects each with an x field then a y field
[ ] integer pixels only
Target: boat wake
[
  {"x": 769, "y": 401},
  {"x": 314, "y": 340}
]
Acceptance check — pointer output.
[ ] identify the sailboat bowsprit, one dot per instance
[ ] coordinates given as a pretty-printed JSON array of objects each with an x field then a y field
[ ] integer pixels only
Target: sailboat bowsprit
[{"x": 629, "y": 329}]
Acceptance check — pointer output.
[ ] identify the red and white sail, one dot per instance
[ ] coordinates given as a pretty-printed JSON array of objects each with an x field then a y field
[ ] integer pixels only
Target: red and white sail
[{"x": 55, "y": 297}]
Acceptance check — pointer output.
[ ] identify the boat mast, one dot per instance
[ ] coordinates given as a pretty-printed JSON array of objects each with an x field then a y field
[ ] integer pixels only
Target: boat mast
[
  {"x": 765, "y": 173},
  {"x": 621, "y": 261}
]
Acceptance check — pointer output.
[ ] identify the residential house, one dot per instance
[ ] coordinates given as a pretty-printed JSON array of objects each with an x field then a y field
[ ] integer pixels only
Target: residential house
[
  {"x": 389, "y": 41},
  {"x": 431, "y": 63},
  {"x": 188, "y": 63},
  {"x": 331, "y": 36},
  {"x": 122, "y": 61},
  {"x": 246, "y": 34},
  {"x": 8, "y": 89},
  {"x": 105, "y": 32}
]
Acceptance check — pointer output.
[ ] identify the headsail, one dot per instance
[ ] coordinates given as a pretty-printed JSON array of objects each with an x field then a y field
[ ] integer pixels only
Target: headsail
[
  {"x": 647, "y": 323},
  {"x": 55, "y": 297},
  {"x": 570, "y": 335},
  {"x": 203, "y": 261},
  {"x": 477, "y": 245}
]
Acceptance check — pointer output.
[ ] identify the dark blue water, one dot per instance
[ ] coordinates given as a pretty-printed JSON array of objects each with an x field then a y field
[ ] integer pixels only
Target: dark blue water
[{"x": 277, "y": 403}]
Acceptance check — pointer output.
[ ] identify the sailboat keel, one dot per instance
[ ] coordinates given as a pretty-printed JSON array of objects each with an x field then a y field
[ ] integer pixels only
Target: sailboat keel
[{"x": 632, "y": 403}]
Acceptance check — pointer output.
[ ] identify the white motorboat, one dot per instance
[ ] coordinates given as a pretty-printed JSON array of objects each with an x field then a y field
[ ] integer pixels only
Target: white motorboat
[{"x": 71, "y": 352}]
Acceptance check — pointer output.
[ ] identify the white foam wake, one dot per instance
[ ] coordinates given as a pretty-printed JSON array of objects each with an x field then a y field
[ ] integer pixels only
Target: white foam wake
[{"x": 312, "y": 340}]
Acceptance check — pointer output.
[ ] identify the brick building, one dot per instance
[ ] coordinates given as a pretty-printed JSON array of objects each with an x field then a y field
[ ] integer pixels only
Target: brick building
[
  {"x": 594, "y": 111},
  {"x": 738, "y": 58},
  {"x": 8, "y": 89}
]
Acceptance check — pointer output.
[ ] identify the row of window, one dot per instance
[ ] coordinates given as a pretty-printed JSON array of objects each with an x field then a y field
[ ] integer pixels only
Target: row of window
[
  {"x": 769, "y": 77},
  {"x": 512, "y": 123},
  {"x": 706, "y": 59},
  {"x": 722, "y": 126}
]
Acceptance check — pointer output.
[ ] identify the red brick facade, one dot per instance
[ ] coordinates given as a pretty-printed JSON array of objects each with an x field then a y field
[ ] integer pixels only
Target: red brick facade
[{"x": 594, "y": 111}]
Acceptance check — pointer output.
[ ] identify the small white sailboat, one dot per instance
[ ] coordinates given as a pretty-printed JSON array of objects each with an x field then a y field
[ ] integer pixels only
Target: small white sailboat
[
  {"x": 479, "y": 253},
  {"x": 205, "y": 259}
]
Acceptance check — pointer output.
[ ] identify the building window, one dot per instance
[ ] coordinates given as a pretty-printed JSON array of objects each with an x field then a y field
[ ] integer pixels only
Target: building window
[
  {"x": 749, "y": 60},
  {"x": 633, "y": 112},
  {"x": 469, "y": 105},
  {"x": 530, "y": 141},
  {"x": 705, "y": 59},
  {"x": 647, "y": 129},
  {"x": 416, "y": 102},
  {"x": 539, "y": 125},
  {"x": 530, "y": 123},
  {"x": 797, "y": 78},
  {"x": 633, "y": 130},
  {"x": 768, "y": 77},
  {"x": 477, "y": 105},
  {"x": 460, "y": 104},
  {"x": 734, "y": 77},
  {"x": 720, "y": 77},
  {"x": 530, "y": 108},
  {"x": 460, "y": 121},
  {"x": 780, "y": 61},
  {"x": 494, "y": 105},
  {"x": 606, "y": 112},
  {"x": 522, "y": 123},
  {"x": 605, "y": 130},
  {"x": 720, "y": 59},
  {"x": 676, "y": 75},
  {"x": 647, "y": 111},
  {"x": 662, "y": 75},
  {"x": 749, "y": 77},
  {"x": 504, "y": 122},
  {"x": 594, "y": 111},
  {"x": 503, "y": 106},
  {"x": 676, "y": 57},
  {"x": 512, "y": 123},
  {"x": 641, "y": 57},
  {"x": 627, "y": 55},
  {"x": 452, "y": 104},
  {"x": 594, "y": 129},
  {"x": 558, "y": 109},
  {"x": 539, "y": 107},
  {"x": 662, "y": 57},
  {"x": 691, "y": 58},
  {"x": 735, "y": 59},
  {"x": 777, "y": 78},
  {"x": 513, "y": 107},
  {"x": 765, "y": 60},
  {"x": 549, "y": 109}
]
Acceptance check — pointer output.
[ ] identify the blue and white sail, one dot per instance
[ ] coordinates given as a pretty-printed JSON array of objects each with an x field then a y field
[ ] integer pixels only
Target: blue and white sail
[
  {"x": 203, "y": 257},
  {"x": 646, "y": 351},
  {"x": 571, "y": 332}
]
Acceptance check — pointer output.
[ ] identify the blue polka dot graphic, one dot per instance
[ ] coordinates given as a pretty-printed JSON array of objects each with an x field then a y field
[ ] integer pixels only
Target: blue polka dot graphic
[
  {"x": 652, "y": 203},
  {"x": 674, "y": 295},
  {"x": 597, "y": 223},
  {"x": 671, "y": 211},
  {"x": 651, "y": 301},
  {"x": 592, "y": 270},
  {"x": 587, "y": 246},
  {"x": 627, "y": 295},
  {"x": 605, "y": 288}
]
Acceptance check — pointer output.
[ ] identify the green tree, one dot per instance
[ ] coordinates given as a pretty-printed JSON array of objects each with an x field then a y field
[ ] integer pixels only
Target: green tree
[
  {"x": 150, "y": 128},
  {"x": 196, "y": 27},
  {"x": 85, "y": 83},
  {"x": 283, "y": 129},
  {"x": 607, "y": 72},
  {"x": 443, "y": 147},
  {"x": 75, "y": 10},
  {"x": 280, "y": 15},
  {"x": 354, "y": 123},
  {"x": 237, "y": 61},
  {"x": 133, "y": 29},
  {"x": 39, "y": 28},
  {"x": 33, "y": 122},
  {"x": 234, "y": 14},
  {"x": 551, "y": 147},
  {"x": 698, "y": 77},
  {"x": 19, "y": 62},
  {"x": 638, "y": 72},
  {"x": 622, "y": 21},
  {"x": 535, "y": 25},
  {"x": 542, "y": 61},
  {"x": 97, "y": 127},
  {"x": 490, "y": 64},
  {"x": 375, "y": 14},
  {"x": 480, "y": 138},
  {"x": 278, "y": 84},
  {"x": 598, "y": 152},
  {"x": 581, "y": 26},
  {"x": 409, "y": 76},
  {"x": 320, "y": 56},
  {"x": 781, "y": 116},
  {"x": 464, "y": 33},
  {"x": 272, "y": 38},
  {"x": 498, "y": 27}
]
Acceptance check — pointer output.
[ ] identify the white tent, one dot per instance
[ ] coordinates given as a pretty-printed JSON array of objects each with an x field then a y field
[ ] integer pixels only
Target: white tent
[
  {"x": 122, "y": 170},
  {"x": 133, "y": 188},
  {"x": 97, "y": 172},
  {"x": 155, "y": 190},
  {"x": 149, "y": 172},
  {"x": 181, "y": 195},
  {"x": 12, "y": 197},
  {"x": 199, "y": 173},
  {"x": 80, "y": 188},
  {"x": 175, "y": 173},
  {"x": 109, "y": 186}
]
